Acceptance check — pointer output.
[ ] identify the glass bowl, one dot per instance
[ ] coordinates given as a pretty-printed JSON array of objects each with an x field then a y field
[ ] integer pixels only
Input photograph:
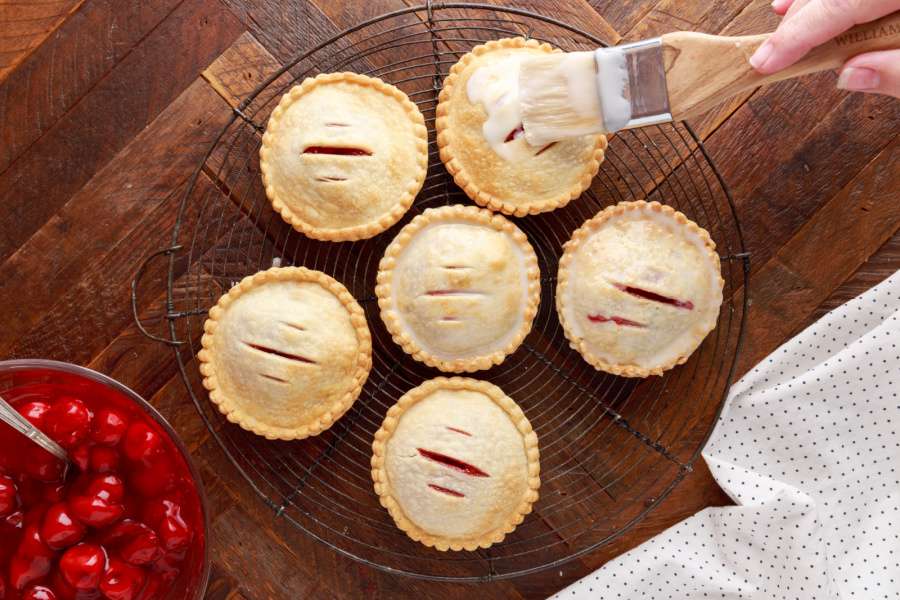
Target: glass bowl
[{"x": 20, "y": 379}]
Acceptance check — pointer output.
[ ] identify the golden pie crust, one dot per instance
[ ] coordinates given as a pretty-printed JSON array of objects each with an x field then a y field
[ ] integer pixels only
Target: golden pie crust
[
  {"x": 337, "y": 197},
  {"x": 458, "y": 288},
  {"x": 285, "y": 352},
  {"x": 456, "y": 463},
  {"x": 639, "y": 288},
  {"x": 539, "y": 183}
]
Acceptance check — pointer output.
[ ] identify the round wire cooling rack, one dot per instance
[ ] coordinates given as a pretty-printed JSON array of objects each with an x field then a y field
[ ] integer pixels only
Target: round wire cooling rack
[{"x": 611, "y": 448}]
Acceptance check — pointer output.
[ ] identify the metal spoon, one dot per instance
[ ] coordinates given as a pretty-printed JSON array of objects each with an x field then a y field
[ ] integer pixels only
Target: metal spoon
[{"x": 11, "y": 416}]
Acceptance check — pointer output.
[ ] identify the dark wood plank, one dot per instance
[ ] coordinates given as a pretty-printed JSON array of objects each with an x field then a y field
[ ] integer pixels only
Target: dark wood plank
[
  {"x": 622, "y": 16},
  {"x": 846, "y": 230},
  {"x": 876, "y": 269},
  {"x": 789, "y": 149},
  {"x": 66, "y": 157},
  {"x": 25, "y": 25},
  {"x": 69, "y": 64},
  {"x": 676, "y": 15},
  {"x": 115, "y": 201},
  {"x": 285, "y": 29}
]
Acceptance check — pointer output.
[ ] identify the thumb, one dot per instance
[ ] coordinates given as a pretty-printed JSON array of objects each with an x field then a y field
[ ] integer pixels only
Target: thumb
[{"x": 877, "y": 72}]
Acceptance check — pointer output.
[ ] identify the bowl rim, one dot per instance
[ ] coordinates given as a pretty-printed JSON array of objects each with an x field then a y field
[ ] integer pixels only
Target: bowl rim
[{"x": 22, "y": 364}]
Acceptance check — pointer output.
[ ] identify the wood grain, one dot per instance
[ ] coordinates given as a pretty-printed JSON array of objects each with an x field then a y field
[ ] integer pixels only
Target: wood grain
[
  {"x": 64, "y": 159},
  {"x": 852, "y": 225},
  {"x": 58, "y": 74},
  {"x": 100, "y": 215},
  {"x": 24, "y": 25}
]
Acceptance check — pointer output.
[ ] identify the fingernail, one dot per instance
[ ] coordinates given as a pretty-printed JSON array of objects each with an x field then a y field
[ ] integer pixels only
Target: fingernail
[
  {"x": 761, "y": 56},
  {"x": 858, "y": 79},
  {"x": 779, "y": 5}
]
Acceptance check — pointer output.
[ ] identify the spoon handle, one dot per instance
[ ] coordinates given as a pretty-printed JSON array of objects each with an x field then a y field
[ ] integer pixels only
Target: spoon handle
[{"x": 11, "y": 416}]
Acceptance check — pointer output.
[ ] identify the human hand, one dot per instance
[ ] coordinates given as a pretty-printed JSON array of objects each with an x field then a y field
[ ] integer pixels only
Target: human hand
[{"x": 809, "y": 23}]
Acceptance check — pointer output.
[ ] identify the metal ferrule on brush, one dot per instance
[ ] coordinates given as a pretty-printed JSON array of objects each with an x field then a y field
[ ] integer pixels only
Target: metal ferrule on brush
[{"x": 645, "y": 90}]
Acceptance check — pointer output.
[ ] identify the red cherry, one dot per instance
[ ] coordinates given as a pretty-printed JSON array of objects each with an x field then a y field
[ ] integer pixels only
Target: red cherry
[
  {"x": 108, "y": 487},
  {"x": 141, "y": 549},
  {"x": 35, "y": 411},
  {"x": 155, "y": 478},
  {"x": 63, "y": 590},
  {"x": 31, "y": 561},
  {"x": 38, "y": 592},
  {"x": 81, "y": 456},
  {"x": 68, "y": 422},
  {"x": 169, "y": 566},
  {"x": 153, "y": 589},
  {"x": 59, "y": 530},
  {"x": 32, "y": 543},
  {"x": 122, "y": 531},
  {"x": 15, "y": 519},
  {"x": 31, "y": 492},
  {"x": 8, "y": 493},
  {"x": 95, "y": 511},
  {"x": 2, "y": 588},
  {"x": 54, "y": 492},
  {"x": 109, "y": 426},
  {"x": 43, "y": 466},
  {"x": 165, "y": 516},
  {"x": 35, "y": 515},
  {"x": 141, "y": 443},
  {"x": 23, "y": 570},
  {"x": 82, "y": 566},
  {"x": 104, "y": 459},
  {"x": 121, "y": 581}
]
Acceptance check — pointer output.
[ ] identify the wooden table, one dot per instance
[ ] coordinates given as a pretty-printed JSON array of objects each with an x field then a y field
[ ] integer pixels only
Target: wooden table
[{"x": 106, "y": 107}]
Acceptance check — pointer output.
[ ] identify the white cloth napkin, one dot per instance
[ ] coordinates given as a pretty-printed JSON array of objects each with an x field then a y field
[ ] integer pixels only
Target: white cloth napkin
[{"x": 808, "y": 446}]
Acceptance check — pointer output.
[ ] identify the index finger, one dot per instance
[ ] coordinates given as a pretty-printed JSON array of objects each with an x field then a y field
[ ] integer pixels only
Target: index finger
[{"x": 813, "y": 24}]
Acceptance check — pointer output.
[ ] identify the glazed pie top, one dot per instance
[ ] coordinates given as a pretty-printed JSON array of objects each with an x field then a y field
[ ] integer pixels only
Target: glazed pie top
[
  {"x": 458, "y": 288},
  {"x": 343, "y": 156},
  {"x": 479, "y": 133},
  {"x": 639, "y": 288},
  {"x": 456, "y": 463},
  {"x": 285, "y": 352}
]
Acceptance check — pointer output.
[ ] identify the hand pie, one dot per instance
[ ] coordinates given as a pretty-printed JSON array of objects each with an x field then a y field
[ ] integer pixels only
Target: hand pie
[
  {"x": 639, "y": 289},
  {"x": 479, "y": 133},
  {"x": 458, "y": 288},
  {"x": 343, "y": 156},
  {"x": 285, "y": 353},
  {"x": 456, "y": 463}
]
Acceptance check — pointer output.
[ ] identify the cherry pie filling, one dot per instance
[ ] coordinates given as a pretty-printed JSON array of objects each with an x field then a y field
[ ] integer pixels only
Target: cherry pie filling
[
  {"x": 518, "y": 132},
  {"x": 640, "y": 293},
  {"x": 125, "y": 521}
]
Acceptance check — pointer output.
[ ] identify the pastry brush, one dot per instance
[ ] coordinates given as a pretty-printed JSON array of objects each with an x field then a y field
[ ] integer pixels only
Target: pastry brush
[{"x": 672, "y": 77}]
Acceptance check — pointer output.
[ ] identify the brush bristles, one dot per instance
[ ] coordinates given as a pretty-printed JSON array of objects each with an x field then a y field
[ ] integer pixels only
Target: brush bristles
[{"x": 559, "y": 97}]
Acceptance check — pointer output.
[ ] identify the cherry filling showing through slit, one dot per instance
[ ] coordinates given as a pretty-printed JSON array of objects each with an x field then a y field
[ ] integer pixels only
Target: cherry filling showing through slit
[
  {"x": 459, "y": 431},
  {"x": 648, "y": 295},
  {"x": 614, "y": 319},
  {"x": 287, "y": 355},
  {"x": 519, "y": 131},
  {"x": 453, "y": 292},
  {"x": 453, "y": 463},
  {"x": 339, "y": 150},
  {"x": 447, "y": 491}
]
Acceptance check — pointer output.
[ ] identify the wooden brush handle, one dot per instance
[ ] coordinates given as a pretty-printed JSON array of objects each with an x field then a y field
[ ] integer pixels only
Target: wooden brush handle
[{"x": 704, "y": 70}]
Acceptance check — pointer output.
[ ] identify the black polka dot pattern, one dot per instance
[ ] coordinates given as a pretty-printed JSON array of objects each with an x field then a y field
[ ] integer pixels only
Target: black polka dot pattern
[{"x": 808, "y": 446}]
